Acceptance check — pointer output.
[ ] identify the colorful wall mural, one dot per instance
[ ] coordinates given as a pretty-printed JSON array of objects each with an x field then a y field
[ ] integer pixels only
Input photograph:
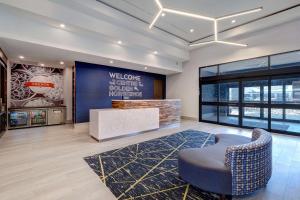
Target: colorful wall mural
[{"x": 36, "y": 86}]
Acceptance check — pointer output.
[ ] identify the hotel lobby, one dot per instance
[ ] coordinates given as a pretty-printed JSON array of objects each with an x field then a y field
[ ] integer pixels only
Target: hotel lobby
[{"x": 149, "y": 100}]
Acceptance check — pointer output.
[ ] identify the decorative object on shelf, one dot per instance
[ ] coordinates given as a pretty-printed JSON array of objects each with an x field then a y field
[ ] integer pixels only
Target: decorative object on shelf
[
  {"x": 36, "y": 86},
  {"x": 211, "y": 19},
  {"x": 148, "y": 170}
]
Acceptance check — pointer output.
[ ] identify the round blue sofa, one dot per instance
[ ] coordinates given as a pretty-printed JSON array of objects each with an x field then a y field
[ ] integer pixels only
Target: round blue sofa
[{"x": 235, "y": 165}]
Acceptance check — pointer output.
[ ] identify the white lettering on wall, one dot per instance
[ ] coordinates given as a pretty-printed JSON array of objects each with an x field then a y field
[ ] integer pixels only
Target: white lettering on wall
[{"x": 126, "y": 85}]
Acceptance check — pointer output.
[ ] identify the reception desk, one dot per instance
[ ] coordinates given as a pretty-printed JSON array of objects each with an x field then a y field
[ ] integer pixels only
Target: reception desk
[
  {"x": 169, "y": 109},
  {"x": 111, "y": 123}
]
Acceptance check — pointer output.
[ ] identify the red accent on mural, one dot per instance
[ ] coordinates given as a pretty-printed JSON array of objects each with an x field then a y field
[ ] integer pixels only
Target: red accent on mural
[{"x": 39, "y": 84}]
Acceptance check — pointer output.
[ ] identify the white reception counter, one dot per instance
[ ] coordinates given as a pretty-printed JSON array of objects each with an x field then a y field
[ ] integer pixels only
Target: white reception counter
[{"x": 110, "y": 123}]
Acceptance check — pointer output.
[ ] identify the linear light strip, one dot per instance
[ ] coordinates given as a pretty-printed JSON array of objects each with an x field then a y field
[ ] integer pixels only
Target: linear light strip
[
  {"x": 202, "y": 43},
  {"x": 155, "y": 19},
  {"x": 232, "y": 43},
  {"x": 188, "y": 14},
  {"x": 216, "y": 30},
  {"x": 240, "y": 13},
  {"x": 159, "y": 4}
]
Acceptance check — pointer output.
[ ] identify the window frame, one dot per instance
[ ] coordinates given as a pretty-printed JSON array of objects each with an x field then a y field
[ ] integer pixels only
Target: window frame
[{"x": 268, "y": 75}]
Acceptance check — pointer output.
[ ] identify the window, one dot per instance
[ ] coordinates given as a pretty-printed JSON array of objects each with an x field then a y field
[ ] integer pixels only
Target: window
[
  {"x": 210, "y": 92},
  {"x": 229, "y": 115},
  {"x": 253, "y": 93},
  {"x": 255, "y": 117},
  {"x": 209, "y": 71},
  {"x": 288, "y": 121},
  {"x": 292, "y": 114},
  {"x": 244, "y": 66},
  {"x": 209, "y": 113},
  {"x": 229, "y": 92},
  {"x": 285, "y": 91},
  {"x": 290, "y": 59},
  {"x": 277, "y": 113}
]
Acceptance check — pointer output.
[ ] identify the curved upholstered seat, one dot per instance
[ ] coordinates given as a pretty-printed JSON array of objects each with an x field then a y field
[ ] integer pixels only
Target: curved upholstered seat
[{"x": 213, "y": 168}]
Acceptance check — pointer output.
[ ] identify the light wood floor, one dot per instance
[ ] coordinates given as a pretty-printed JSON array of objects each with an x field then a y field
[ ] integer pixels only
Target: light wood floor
[{"x": 47, "y": 163}]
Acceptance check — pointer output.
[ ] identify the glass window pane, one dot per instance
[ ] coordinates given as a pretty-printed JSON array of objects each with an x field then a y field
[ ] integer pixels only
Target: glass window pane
[
  {"x": 209, "y": 71},
  {"x": 229, "y": 115},
  {"x": 251, "y": 112},
  {"x": 292, "y": 114},
  {"x": 210, "y": 93},
  {"x": 256, "y": 91},
  {"x": 276, "y": 93},
  {"x": 209, "y": 113},
  {"x": 286, "y": 90},
  {"x": 255, "y": 117},
  {"x": 229, "y": 92},
  {"x": 290, "y": 123},
  {"x": 290, "y": 59},
  {"x": 266, "y": 93},
  {"x": 277, "y": 113},
  {"x": 244, "y": 66}
]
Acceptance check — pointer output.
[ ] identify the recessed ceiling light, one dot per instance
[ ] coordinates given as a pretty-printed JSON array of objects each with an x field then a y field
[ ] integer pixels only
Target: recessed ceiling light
[
  {"x": 42, "y": 64},
  {"x": 111, "y": 61},
  {"x": 163, "y": 14},
  {"x": 62, "y": 26},
  {"x": 233, "y": 21},
  {"x": 120, "y": 42},
  {"x": 146, "y": 67},
  {"x": 155, "y": 52},
  {"x": 21, "y": 57},
  {"x": 192, "y": 30},
  {"x": 61, "y": 62}
]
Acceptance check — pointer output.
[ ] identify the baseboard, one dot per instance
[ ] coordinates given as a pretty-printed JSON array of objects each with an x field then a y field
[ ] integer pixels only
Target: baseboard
[
  {"x": 69, "y": 121},
  {"x": 189, "y": 118},
  {"x": 82, "y": 126}
]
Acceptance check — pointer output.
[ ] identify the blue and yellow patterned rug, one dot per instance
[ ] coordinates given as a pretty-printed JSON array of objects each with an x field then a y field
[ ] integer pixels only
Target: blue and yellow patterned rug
[{"x": 148, "y": 170}]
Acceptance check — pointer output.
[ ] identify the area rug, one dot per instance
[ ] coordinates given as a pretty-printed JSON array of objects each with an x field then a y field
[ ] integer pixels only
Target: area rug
[{"x": 148, "y": 170}]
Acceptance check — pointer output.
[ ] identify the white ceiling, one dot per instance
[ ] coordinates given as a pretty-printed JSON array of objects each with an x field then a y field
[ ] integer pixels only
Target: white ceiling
[
  {"x": 51, "y": 56},
  {"x": 31, "y": 28},
  {"x": 180, "y": 25}
]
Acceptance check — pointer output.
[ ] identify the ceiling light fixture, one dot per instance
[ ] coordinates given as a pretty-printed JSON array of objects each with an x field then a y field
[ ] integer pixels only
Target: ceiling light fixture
[
  {"x": 61, "y": 62},
  {"x": 146, "y": 68},
  {"x": 214, "y": 20},
  {"x": 42, "y": 64},
  {"x": 155, "y": 52},
  {"x": 62, "y": 26},
  {"x": 240, "y": 13},
  {"x": 111, "y": 61},
  {"x": 120, "y": 42},
  {"x": 233, "y": 21},
  {"x": 192, "y": 30},
  {"x": 163, "y": 14},
  {"x": 21, "y": 57}
]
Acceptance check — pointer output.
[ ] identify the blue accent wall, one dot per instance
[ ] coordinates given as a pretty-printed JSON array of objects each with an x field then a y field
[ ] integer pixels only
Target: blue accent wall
[{"x": 92, "y": 83}]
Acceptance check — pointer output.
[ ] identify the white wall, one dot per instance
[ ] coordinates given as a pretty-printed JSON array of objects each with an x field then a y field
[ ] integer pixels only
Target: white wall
[
  {"x": 68, "y": 92},
  {"x": 285, "y": 37}
]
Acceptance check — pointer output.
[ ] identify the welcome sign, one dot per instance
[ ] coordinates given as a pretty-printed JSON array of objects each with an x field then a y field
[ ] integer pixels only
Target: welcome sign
[
  {"x": 125, "y": 85},
  {"x": 98, "y": 85}
]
